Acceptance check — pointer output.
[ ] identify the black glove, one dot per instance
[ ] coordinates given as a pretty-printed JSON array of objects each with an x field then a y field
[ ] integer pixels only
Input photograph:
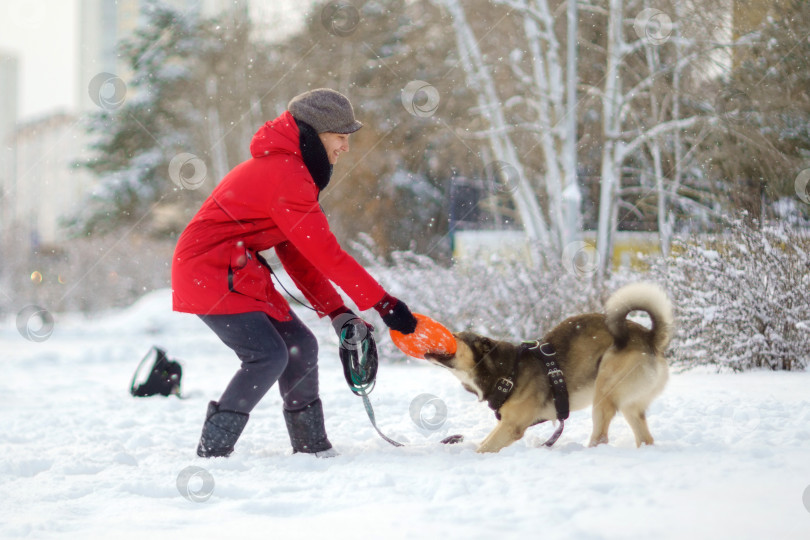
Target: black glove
[{"x": 396, "y": 315}]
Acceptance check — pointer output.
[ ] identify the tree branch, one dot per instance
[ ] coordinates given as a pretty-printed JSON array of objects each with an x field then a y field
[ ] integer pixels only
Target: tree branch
[{"x": 628, "y": 148}]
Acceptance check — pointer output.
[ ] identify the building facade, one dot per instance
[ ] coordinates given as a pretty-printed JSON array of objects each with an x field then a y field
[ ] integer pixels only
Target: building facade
[{"x": 46, "y": 187}]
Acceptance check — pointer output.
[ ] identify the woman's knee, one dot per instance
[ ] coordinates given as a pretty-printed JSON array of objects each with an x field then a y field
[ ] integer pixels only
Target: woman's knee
[
  {"x": 271, "y": 357},
  {"x": 303, "y": 347}
]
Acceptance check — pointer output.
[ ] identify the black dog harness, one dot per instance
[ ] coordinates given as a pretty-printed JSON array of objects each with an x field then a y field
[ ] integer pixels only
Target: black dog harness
[{"x": 546, "y": 355}]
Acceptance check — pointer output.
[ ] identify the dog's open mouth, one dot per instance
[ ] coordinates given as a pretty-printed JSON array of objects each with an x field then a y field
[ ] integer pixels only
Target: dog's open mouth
[{"x": 440, "y": 358}]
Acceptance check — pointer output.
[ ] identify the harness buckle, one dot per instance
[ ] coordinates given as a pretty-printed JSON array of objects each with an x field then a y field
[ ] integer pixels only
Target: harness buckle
[
  {"x": 504, "y": 385},
  {"x": 549, "y": 346}
]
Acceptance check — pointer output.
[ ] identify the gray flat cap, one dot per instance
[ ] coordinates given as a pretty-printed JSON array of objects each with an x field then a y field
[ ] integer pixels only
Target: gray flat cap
[{"x": 325, "y": 110}]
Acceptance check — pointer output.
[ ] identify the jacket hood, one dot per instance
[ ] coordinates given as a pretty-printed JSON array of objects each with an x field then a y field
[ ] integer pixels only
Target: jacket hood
[
  {"x": 286, "y": 135},
  {"x": 276, "y": 136}
]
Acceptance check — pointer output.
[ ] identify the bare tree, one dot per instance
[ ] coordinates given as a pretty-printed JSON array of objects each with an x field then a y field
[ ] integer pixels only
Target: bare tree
[
  {"x": 482, "y": 82},
  {"x": 640, "y": 89}
]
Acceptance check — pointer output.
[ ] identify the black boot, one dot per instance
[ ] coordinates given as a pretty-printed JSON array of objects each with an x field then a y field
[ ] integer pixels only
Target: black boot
[
  {"x": 220, "y": 431},
  {"x": 307, "y": 432}
]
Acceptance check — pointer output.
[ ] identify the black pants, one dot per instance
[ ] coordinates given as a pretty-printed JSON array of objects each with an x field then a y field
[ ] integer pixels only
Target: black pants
[{"x": 270, "y": 351}]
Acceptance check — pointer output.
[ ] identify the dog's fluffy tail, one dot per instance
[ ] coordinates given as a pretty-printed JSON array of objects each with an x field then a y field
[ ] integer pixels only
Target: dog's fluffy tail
[{"x": 647, "y": 297}]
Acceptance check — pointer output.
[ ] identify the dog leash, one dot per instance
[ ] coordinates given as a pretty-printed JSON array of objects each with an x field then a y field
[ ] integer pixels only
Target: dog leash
[
  {"x": 452, "y": 439},
  {"x": 360, "y": 370},
  {"x": 370, "y": 412}
]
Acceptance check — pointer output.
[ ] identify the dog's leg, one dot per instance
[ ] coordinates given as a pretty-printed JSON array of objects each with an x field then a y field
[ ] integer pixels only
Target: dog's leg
[
  {"x": 603, "y": 412},
  {"x": 503, "y": 435},
  {"x": 637, "y": 418}
]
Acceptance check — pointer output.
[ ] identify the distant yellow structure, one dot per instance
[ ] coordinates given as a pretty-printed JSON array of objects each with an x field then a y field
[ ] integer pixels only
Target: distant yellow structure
[{"x": 628, "y": 247}]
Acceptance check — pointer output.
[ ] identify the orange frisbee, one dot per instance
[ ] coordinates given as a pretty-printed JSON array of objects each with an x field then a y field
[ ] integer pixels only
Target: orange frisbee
[{"x": 428, "y": 337}]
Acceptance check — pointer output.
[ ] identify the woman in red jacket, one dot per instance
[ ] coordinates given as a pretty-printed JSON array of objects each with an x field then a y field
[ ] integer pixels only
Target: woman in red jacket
[{"x": 271, "y": 201}]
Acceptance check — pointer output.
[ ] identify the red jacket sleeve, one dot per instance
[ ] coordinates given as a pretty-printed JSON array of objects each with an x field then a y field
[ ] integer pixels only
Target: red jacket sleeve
[{"x": 296, "y": 212}]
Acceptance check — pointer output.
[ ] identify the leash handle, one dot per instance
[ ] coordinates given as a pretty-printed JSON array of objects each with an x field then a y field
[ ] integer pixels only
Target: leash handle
[{"x": 359, "y": 366}]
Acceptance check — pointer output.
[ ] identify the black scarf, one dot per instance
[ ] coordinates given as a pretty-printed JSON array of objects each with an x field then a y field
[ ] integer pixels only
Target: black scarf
[{"x": 314, "y": 155}]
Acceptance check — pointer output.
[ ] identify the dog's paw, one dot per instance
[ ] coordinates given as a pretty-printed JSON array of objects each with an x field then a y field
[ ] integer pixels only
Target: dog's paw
[{"x": 597, "y": 442}]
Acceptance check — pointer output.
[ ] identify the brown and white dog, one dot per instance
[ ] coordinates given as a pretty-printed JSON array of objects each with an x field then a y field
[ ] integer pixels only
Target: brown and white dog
[{"x": 608, "y": 362}]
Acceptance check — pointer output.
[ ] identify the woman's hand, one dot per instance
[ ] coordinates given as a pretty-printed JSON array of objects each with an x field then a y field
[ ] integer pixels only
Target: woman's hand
[
  {"x": 356, "y": 328},
  {"x": 396, "y": 315}
]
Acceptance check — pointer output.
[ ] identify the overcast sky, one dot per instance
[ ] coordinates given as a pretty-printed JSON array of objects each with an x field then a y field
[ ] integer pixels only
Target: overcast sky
[{"x": 44, "y": 36}]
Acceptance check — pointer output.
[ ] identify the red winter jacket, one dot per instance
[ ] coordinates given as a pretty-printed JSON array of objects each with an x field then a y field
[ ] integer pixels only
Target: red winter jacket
[{"x": 268, "y": 201}]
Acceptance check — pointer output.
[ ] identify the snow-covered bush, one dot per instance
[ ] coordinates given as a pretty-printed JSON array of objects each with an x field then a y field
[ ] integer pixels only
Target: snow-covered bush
[{"x": 742, "y": 299}]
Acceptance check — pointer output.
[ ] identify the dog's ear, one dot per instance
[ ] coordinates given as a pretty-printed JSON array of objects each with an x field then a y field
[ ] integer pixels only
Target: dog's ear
[{"x": 484, "y": 345}]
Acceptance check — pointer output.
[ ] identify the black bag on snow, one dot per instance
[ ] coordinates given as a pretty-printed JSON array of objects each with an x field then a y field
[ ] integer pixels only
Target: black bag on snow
[{"x": 163, "y": 377}]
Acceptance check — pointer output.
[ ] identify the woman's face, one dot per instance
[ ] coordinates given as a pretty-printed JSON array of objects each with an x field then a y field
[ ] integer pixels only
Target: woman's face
[{"x": 335, "y": 144}]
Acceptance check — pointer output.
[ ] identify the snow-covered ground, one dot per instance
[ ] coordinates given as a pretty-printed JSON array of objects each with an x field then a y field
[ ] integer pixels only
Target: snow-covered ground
[{"x": 80, "y": 458}]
